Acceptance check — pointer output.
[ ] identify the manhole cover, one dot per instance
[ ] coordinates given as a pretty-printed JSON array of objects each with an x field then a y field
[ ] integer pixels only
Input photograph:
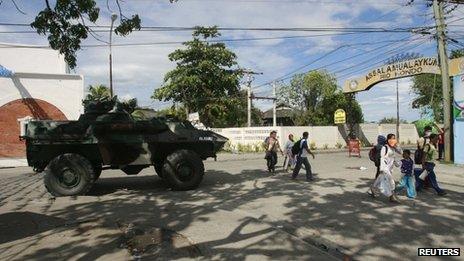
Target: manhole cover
[{"x": 159, "y": 243}]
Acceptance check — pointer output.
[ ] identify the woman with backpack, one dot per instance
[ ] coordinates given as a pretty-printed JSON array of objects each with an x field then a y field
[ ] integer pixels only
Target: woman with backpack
[
  {"x": 385, "y": 182},
  {"x": 374, "y": 153}
]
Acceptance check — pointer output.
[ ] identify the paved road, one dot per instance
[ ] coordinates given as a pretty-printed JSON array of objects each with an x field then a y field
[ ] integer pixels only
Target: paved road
[{"x": 239, "y": 212}]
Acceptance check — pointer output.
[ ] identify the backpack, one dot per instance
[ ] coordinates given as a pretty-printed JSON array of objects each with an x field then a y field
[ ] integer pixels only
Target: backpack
[
  {"x": 419, "y": 153},
  {"x": 296, "y": 148},
  {"x": 373, "y": 154}
]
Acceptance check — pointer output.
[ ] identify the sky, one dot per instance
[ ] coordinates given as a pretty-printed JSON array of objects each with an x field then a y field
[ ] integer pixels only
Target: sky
[{"x": 138, "y": 70}]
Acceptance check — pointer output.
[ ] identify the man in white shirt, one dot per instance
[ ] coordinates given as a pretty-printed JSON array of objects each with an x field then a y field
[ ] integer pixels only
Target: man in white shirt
[{"x": 302, "y": 158}]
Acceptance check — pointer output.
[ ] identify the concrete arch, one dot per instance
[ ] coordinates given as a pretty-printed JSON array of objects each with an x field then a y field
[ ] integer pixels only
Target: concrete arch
[{"x": 400, "y": 70}]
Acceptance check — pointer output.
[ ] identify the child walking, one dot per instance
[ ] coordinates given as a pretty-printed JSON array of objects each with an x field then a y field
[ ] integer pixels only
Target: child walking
[{"x": 407, "y": 179}]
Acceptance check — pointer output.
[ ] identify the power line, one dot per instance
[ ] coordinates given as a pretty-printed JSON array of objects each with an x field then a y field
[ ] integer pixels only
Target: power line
[
  {"x": 336, "y": 49},
  {"x": 293, "y": 29},
  {"x": 363, "y": 62},
  {"x": 321, "y": 2},
  {"x": 181, "y": 42},
  {"x": 456, "y": 20},
  {"x": 391, "y": 52},
  {"x": 289, "y": 75}
]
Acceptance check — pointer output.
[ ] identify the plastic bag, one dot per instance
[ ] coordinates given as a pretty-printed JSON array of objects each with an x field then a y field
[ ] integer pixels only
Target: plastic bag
[{"x": 424, "y": 174}]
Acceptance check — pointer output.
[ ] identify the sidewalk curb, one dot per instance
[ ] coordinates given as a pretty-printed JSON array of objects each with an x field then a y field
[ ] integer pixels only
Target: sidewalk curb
[{"x": 7, "y": 163}]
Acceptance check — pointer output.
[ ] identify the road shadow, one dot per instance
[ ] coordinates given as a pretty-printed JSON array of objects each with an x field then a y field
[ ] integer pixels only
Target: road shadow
[
  {"x": 368, "y": 228},
  {"x": 18, "y": 225},
  {"x": 106, "y": 186}
]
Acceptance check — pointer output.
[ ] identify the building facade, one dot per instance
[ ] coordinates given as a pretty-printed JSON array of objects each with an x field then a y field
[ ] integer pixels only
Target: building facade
[{"x": 34, "y": 83}]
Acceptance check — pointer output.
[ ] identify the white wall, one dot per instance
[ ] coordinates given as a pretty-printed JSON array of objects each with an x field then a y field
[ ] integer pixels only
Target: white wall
[
  {"x": 320, "y": 135},
  {"x": 41, "y": 74},
  {"x": 32, "y": 60},
  {"x": 63, "y": 91}
]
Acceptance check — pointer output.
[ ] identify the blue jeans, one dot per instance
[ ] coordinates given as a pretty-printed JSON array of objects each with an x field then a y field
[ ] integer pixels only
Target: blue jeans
[
  {"x": 407, "y": 181},
  {"x": 429, "y": 167}
]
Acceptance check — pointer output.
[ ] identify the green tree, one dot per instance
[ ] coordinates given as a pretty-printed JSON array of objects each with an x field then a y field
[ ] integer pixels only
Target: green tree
[
  {"x": 315, "y": 98},
  {"x": 339, "y": 100},
  {"x": 428, "y": 88},
  {"x": 130, "y": 105},
  {"x": 101, "y": 93},
  {"x": 307, "y": 90},
  {"x": 176, "y": 111},
  {"x": 66, "y": 23},
  {"x": 98, "y": 92},
  {"x": 232, "y": 112},
  {"x": 206, "y": 79}
]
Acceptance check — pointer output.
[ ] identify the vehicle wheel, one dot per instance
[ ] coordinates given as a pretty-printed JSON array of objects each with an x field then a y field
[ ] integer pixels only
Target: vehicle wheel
[
  {"x": 183, "y": 170},
  {"x": 159, "y": 170},
  {"x": 68, "y": 175}
]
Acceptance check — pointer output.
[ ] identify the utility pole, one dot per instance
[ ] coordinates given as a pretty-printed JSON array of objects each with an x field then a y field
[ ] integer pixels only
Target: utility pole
[
  {"x": 397, "y": 112},
  {"x": 249, "y": 79},
  {"x": 274, "y": 109},
  {"x": 113, "y": 18},
  {"x": 441, "y": 39}
]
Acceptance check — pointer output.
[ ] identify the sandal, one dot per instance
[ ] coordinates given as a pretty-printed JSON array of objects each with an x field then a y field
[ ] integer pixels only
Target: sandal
[
  {"x": 371, "y": 193},
  {"x": 393, "y": 199}
]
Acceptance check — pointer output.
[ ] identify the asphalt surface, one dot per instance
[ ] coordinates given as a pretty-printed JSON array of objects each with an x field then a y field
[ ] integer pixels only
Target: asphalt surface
[{"x": 239, "y": 212}]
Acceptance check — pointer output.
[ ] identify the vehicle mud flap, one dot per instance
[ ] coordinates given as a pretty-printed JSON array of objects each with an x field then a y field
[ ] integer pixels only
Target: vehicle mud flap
[
  {"x": 159, "y": 170},
  {"x": 97, "y": 170}
]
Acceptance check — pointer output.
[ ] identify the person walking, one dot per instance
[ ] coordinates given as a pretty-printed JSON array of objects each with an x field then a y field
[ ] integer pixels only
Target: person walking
[
  {"x": 441, "y": 141},
  {"x": 407, "y": 180},
  {"x": 289, "y": 161},
  {"x": 385, "y": 182},
  {"x": 441, "y": 144},
  {"x": 429, "y": 160},
  {"x": 271, "y": 151},
  {"x": 425, "y": 139},
  {"x": 302, "y": 159},
  {"x": 381, "y": 142}
]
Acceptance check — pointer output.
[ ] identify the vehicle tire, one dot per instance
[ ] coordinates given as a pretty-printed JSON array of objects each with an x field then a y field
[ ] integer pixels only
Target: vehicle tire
[
  {"x": 159, "y": 170},
  {"x": 69, "y": 175},
  {"x": 183, "y": 170}
]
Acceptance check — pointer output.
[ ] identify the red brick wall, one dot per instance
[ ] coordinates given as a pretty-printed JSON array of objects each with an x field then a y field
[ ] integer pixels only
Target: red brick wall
[{"x": 10, "y": 146}]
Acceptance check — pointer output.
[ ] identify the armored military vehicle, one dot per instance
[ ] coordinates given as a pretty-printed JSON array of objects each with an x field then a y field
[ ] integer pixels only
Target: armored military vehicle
[{"x": 74, "y": 153}]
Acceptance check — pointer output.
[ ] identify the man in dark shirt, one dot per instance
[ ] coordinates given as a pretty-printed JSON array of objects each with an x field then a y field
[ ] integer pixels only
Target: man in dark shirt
[{"x": 302, "y": 158}]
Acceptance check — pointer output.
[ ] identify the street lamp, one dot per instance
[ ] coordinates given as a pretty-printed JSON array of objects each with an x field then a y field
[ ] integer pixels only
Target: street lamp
[{"x": 113, "y": 18}]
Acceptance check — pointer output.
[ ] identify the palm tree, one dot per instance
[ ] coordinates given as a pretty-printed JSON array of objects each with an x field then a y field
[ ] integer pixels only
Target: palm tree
[{"x": 98, "y": 92}]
